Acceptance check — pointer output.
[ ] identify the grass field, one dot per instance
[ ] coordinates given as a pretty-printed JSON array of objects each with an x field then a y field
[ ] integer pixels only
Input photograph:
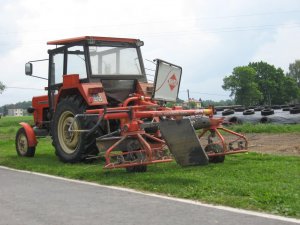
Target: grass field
[
  {"x": 253, "y": 181},
  {"x": 266, "y": 128}
]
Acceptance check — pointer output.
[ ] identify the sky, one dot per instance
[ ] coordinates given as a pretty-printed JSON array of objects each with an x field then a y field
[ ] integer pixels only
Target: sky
[{"x": 207, "y": 38}]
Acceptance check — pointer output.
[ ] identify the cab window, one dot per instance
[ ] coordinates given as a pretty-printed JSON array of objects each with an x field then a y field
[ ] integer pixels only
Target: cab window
[{"x": 76, "y": 62}]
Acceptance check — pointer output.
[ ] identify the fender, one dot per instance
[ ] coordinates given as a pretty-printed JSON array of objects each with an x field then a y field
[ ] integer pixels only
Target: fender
[
  {"x": 92, "y": 93},
  {"x": 32, "y": 142}
]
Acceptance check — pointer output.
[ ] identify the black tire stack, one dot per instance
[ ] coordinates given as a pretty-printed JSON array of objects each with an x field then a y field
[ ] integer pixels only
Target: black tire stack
[
  {"x": 267, "y": 112},
  {"x": 295, "y": 110}
]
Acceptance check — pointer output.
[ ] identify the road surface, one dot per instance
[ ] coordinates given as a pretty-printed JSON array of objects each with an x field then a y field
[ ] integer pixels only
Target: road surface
[{"x": 32, "y": 199}]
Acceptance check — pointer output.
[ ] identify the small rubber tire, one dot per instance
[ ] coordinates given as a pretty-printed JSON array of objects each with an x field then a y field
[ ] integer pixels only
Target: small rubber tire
[
  {"x": 235, "y": 120},
  {"x": 294, "y": 110},
  {"x": 249, "y": 112},
  {"x": 219, "y": 109},
  {"x": 239, "y": 109},
  {"x": 22, "y": 147},
  {"x": 227, "y": 112},
  {"x": 264, "y": 119},
  {"x": 267, "y": 112},
  {"x": 139, "y": 168},
  {"x": 216, "y": 149},
  {"x": 286, "y": 109}
]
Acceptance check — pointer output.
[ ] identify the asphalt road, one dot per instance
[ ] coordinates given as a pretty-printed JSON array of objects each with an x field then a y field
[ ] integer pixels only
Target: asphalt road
[{"x": 32, "y": 199}]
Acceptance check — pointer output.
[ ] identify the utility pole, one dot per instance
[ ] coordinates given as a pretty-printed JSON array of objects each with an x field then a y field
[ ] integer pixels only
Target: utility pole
[{"x": 188, "y": 93}]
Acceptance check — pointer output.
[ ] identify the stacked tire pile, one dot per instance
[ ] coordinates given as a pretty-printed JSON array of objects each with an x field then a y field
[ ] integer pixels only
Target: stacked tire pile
[{"x": 284, "y": 114}]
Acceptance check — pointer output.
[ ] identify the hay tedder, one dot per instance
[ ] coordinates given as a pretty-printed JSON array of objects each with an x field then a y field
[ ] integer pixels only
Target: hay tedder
[{"x": 100, "y": 104}]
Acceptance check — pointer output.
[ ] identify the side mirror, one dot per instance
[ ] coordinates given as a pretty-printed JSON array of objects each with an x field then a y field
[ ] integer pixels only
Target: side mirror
[{"x": 28, "y": 69}]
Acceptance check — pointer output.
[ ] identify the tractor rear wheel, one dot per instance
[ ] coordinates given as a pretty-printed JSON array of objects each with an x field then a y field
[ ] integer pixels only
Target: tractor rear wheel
[
  {"x": 71, "y": 146},
  {"x": 22, "y": 147}
]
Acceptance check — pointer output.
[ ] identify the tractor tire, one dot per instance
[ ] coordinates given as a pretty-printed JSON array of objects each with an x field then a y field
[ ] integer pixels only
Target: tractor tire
[
  {"x": 259, "y": 108},
  {"x": 216, "y": 149},
  {"x": 227, "y": 112},
  {"x": 235, "y": 120},
  {"x": 240, "y": 109},
  {"x": 267, "y": 112},
  {"x": 219, "y": 109},
  {"x": 294, "y": 110},
  {"x": 22, "y": 147},
  {"x": 136, "y": 169},
  {"x": 140, "y": 156},
  {"x": 249, "y": 112},
  {"x": 71, "y": 147}
]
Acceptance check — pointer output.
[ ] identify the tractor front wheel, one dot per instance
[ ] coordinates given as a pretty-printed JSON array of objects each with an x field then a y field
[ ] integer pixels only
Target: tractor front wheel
[{"x": 22, "y": 147}]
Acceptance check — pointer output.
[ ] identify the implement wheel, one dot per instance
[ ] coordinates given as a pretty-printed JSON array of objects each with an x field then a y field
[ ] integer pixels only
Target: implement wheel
[
  {"x": 71, "y": 146},
  {"x": 22, "y": 147},
  {"x": 139, "y": 168},
  {"x": 216, "y": 149},
  {"x": 134, "y": 145}
]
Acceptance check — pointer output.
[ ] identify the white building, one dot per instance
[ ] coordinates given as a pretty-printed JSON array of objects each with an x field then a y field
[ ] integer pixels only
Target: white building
[{"x": 15, "y": 112}]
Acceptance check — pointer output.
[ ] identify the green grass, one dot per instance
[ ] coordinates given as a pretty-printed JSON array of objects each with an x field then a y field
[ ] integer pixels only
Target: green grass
[
  {"x": 266, "y": 128},
  {"x": 253, "y": 181}
]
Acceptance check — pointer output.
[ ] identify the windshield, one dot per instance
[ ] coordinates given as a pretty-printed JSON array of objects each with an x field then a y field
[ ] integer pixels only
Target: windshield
[{"x": 114, "y": 61}]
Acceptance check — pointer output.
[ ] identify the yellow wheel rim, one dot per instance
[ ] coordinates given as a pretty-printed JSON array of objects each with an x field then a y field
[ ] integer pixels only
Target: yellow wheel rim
[
  {"x": 22, "y": 143},
  {"x": 68, "y": 139}
]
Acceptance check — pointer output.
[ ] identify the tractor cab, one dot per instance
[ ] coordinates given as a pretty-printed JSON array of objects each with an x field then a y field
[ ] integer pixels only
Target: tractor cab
[{"x": 115, "y": 62}]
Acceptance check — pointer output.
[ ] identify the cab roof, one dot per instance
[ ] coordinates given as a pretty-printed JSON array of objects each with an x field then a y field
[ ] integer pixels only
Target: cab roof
[{"x": 92, "y": 38}]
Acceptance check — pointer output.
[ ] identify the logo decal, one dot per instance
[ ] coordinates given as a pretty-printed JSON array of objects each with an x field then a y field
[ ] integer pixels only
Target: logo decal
[{"x": 173, "y": 82}]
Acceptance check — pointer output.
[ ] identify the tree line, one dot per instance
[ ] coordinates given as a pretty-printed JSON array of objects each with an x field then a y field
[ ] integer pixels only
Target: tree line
[{"x": 260, "y": 83}]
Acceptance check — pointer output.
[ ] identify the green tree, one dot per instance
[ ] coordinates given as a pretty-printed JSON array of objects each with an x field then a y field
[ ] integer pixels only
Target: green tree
[
  {"x": 243, "y": 86},
  {"x": 227, "y": 102},
  {"x": 294, "y": 71},
  {"x": 2, "y": 87},
  {"x": 273, "y": 84},
  {"x": 292, "y": 91}
]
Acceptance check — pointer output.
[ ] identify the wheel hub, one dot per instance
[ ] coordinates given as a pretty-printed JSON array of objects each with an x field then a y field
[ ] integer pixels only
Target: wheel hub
[
  {"x": 68, "y": 139},
  {"x": 22, "y": 143}
]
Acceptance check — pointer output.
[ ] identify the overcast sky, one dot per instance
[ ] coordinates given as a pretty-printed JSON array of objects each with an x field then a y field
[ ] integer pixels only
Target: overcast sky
[{"x": 207, "y": 38}]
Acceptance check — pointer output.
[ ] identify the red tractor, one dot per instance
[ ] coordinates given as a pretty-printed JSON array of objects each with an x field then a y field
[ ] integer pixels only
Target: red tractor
[{"x": 99, "y": 103}]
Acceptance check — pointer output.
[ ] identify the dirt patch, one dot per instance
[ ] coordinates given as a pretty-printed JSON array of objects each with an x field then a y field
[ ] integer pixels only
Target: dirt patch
[{"x": 281, "y": 144}]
